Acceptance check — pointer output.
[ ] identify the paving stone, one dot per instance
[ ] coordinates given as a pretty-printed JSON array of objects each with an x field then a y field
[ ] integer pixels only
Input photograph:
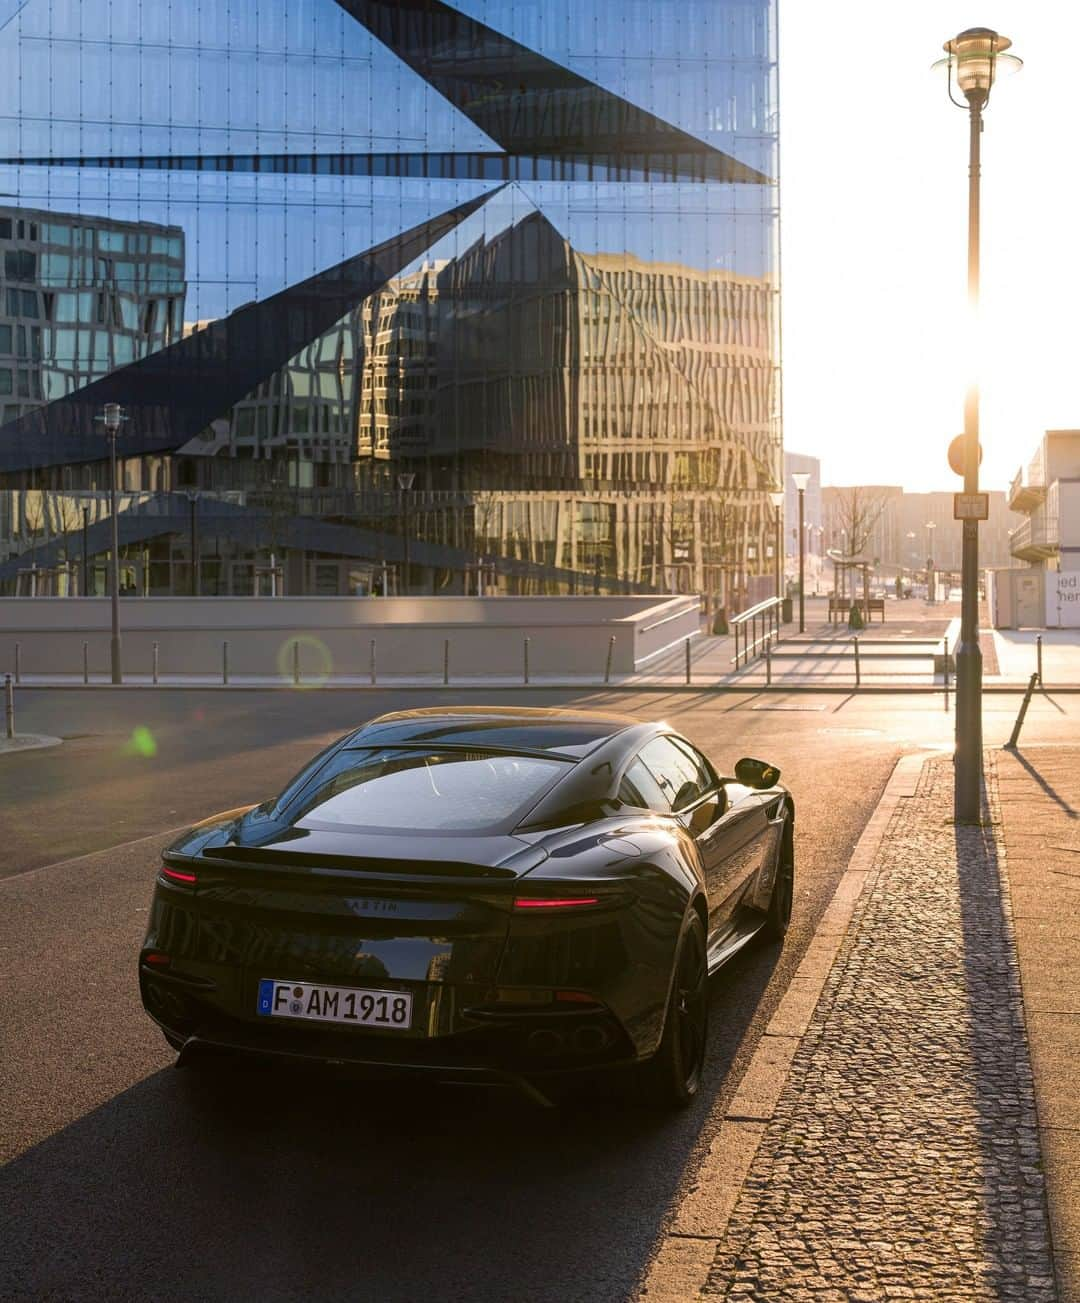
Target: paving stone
[{"x": 901, "y": 1159}]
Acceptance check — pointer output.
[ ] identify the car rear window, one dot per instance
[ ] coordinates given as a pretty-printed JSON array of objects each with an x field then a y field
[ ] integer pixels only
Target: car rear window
[{"x": 403, "y": 789}]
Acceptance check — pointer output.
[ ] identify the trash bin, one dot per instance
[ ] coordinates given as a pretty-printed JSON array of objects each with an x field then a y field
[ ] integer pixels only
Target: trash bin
[
  {"x": 720, "y": 622},
  {"x": 785, "y": 610}
]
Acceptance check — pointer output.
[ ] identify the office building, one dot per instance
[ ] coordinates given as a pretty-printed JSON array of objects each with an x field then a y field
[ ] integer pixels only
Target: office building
[{"x": 519, "y": 258}]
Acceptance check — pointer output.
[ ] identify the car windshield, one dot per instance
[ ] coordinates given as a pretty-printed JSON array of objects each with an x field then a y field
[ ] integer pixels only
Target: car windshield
[{"x": 405, "y": 789}]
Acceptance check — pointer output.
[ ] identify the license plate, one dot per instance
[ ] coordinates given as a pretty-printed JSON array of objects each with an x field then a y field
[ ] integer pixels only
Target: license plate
[{"x": 345, "y": 1004}]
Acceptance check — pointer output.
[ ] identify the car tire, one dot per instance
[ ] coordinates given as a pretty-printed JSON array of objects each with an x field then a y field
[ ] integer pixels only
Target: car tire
[
  {"x": 782, "y": 898},
  {"x": 672, "y": 1077},
  {"x": 177, "y": 1042}
]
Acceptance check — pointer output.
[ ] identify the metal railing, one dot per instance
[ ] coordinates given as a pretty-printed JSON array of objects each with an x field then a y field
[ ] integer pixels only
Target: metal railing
[
  {"x": 755, "y": 630},
  {"x": 296, "y": 668}
]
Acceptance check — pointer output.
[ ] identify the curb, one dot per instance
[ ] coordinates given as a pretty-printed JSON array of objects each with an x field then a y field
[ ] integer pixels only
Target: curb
[
  {"x": 27, "y": 742},
  {"x": 681, "y": 1267}
]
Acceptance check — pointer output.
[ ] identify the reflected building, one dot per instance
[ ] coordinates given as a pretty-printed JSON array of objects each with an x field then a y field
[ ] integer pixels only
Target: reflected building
[
  {"x": 522, "y": 254},
  {"x": 82, "y": 295}
]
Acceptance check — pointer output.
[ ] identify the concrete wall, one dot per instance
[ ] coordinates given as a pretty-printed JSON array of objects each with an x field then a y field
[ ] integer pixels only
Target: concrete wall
[
  {"x": 1063, "y": 599},
  {"x": 567, "y": 635}
]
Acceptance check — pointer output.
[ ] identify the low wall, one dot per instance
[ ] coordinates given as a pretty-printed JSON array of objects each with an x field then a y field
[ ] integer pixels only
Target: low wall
[{"x": 567, "y": 635}]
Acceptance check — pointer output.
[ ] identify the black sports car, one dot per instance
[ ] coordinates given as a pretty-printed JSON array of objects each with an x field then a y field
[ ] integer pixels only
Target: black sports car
[{"x": 492, "y": 894}]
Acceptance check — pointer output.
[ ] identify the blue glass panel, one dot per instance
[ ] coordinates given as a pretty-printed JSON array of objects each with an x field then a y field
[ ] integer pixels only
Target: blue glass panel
[{"x": 240, "y": 78}]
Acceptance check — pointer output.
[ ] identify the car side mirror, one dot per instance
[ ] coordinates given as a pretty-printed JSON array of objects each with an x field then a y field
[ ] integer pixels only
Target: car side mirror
[{"x": 756, "y": 773}]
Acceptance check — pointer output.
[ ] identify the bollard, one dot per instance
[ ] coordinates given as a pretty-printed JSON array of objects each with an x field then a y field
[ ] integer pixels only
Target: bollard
[
  {"x": 446, "y": 660},
  {"x": 610, "y": 653},
  {"x": 155, "y": 663},
  {"x": 86, "y": 662},
  {"x": 373, "y": 660},
  {"x": 1014, "y": 737},
  {"x": 296, "y": 663},
  {"x": 18, "y": 662},
  {"x": 1038, "y": 658},
  {"x": 945, "y": 668},
  {"x": 768, "y": 664},
  {"x": 225, "y": 662},
  {"x": 858, "y": 676},
  {"x": 9, "y": 706},
  {"x": 525, "y": 650}
]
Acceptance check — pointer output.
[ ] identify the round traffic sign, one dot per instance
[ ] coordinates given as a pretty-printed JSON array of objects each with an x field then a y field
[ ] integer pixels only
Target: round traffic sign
[{"x": 956, "y": 455}]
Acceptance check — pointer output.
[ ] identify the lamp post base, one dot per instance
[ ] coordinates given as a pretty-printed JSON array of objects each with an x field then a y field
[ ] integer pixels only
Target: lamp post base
[{"x": 114, "y": 649}]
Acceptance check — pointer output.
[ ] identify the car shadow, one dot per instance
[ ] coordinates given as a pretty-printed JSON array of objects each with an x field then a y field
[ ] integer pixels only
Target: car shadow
[{"x": 241, "y": 1181}]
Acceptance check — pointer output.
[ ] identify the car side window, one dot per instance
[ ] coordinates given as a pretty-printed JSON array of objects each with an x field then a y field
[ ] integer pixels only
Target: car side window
[
  {"x": 681, "y": 776},
  {"x": 641, "y": 790},
  {"x": 707, "y": 774}
]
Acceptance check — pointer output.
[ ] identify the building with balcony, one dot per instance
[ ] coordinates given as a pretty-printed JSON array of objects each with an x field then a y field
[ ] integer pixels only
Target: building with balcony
[
  {"x": 1049, "y": 536},
  {"x": 1042, "y": 588}
]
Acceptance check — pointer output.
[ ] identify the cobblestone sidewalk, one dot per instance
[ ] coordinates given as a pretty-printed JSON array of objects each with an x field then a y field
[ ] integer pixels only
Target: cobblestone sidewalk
[{"x": 902, "y": 1161}]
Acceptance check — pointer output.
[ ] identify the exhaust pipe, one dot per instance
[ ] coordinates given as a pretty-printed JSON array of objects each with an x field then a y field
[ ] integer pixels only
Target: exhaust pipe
[
  {"x": 546, "y": 1041},
  {"x": 589, "y": 1040}
]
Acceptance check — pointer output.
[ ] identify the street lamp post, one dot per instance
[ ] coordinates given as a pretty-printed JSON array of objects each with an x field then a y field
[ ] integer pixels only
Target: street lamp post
[
  {"x": 112, "y": 418},
  {"x": 931, "y": 525},
  {"x": 974, "y": 58},
  {"x": 776, "y": 497},
  {"x": 85, "y": 553},
  {"x": 193, "y": 505},
  {"x": 405, "y": 483},
  {"x": 801, "y": 480}
]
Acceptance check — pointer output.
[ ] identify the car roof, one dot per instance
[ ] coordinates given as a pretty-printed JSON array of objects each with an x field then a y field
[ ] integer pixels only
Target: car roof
[{"x": 570, "y": 733}]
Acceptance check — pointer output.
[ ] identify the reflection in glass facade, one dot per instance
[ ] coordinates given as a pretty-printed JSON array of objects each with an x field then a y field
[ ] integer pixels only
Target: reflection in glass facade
[{"x": 521, "y": 250}]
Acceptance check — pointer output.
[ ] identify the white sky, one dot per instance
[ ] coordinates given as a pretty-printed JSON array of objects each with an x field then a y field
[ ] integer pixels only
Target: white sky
[{"x": 874, "y": 229}]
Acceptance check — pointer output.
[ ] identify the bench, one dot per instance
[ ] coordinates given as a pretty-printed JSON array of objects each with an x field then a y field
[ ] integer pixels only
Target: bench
[{"x": 840, "y": 607}]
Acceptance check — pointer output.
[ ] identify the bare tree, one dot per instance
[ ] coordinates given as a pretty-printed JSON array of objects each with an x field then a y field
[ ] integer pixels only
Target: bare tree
[{"x": 853, "y": 515}]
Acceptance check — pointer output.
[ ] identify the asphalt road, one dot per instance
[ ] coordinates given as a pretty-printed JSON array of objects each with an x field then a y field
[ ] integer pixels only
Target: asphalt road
[{"x": 128, "y": 1179}]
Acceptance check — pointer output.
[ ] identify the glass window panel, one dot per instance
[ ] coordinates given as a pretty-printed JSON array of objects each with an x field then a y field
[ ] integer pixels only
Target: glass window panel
[
  {"x": 6, "y": 380},
  {"x": 65, "y": 347},
  {"x": 5, "y": 339},
  {"x": 55, "y": 268},
  {"x": 30, "y": 303}
]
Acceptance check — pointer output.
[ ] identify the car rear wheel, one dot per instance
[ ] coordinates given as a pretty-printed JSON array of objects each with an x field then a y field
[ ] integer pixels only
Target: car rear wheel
[
  {"x": 672, "y": 1077},
  {"x": 783, "y": 892}
]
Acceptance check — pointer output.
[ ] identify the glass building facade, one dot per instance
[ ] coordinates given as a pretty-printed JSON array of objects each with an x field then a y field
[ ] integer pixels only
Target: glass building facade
[{"x": 521, "y": 251}]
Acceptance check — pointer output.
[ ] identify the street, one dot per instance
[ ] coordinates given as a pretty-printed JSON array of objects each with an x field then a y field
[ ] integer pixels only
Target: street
[{"x": 128, "y": 1179}]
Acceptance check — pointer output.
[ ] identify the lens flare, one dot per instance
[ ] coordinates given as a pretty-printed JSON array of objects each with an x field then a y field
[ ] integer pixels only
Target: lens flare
[
  {"x": 141, "y": 743},
  {"x": 305, "y": 657}
]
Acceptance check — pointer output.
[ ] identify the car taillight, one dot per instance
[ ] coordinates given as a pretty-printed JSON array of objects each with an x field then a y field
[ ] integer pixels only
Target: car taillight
[
  {"x": 156, "y": 959},
  {"x": 177, "y": 876},
  {"x": 575, "y": 997},
  {"x": 554, "y": 902}
]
